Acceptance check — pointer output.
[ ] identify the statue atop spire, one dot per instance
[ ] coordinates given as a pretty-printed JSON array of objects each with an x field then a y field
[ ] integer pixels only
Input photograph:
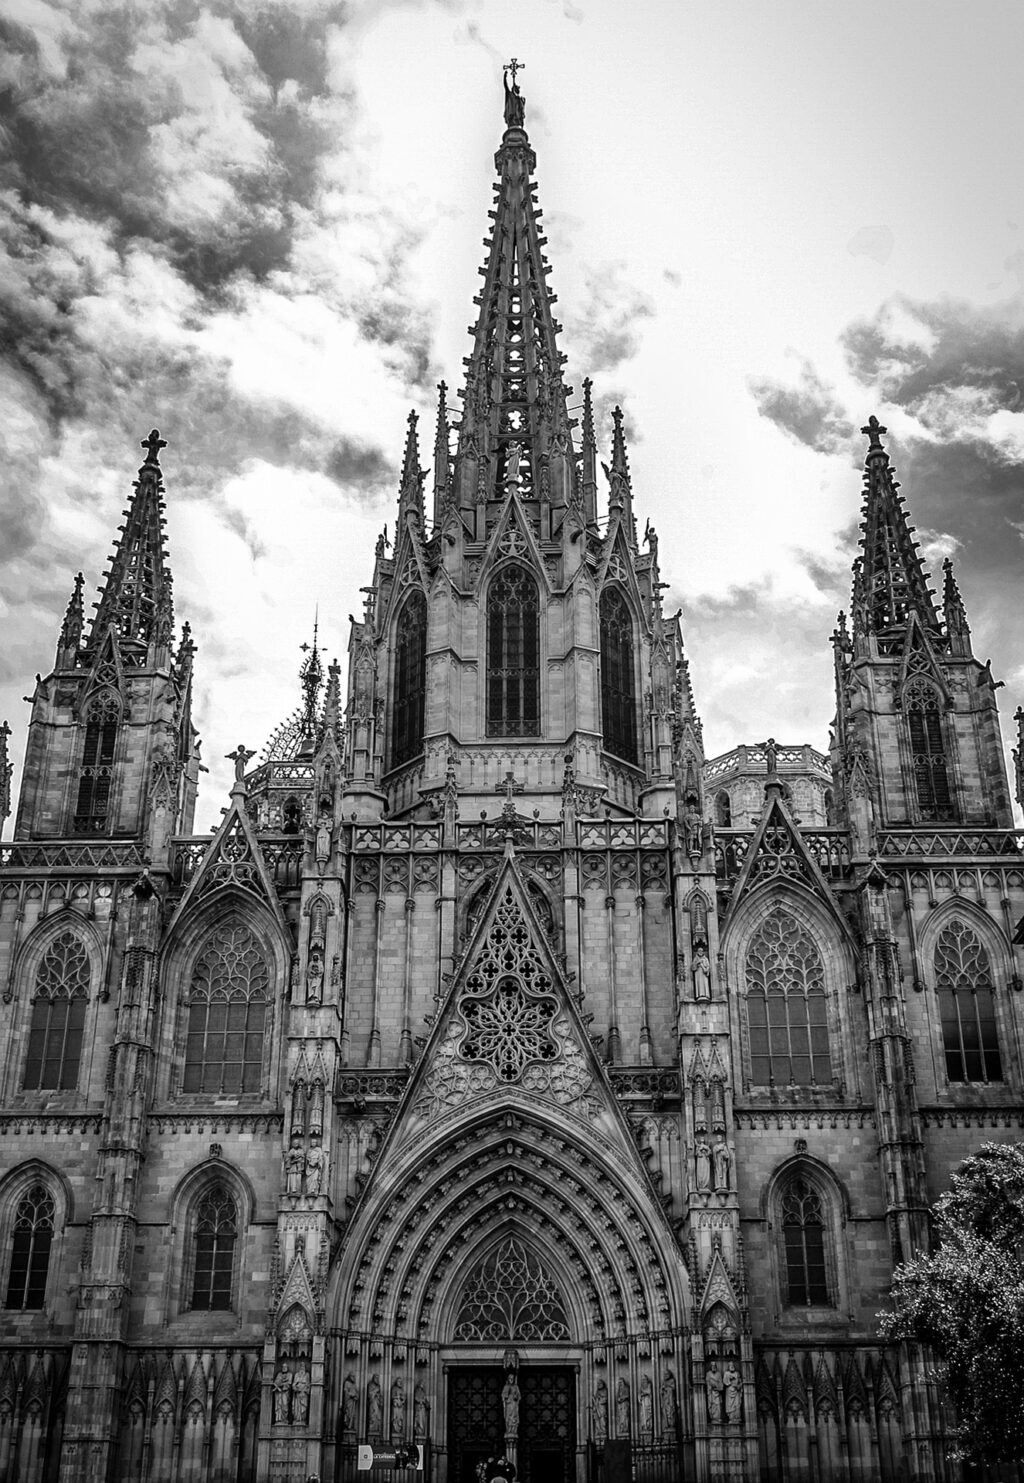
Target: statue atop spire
[{"x": 515, "y": 103}]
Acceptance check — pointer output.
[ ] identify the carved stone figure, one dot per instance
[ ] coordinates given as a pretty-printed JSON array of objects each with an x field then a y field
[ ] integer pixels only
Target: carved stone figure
[
  {"x": 282, "y": 1396},
  {"x": 397, "y": 1411},
  {"x": 723, "y": 1161},
  {"x": 733, "y": 1392},
  {"x": 693, "y": 825},
  {"x": 510, "y": 1402},
  {"x": 669, "y": 1405},
  {"x": 374, "y": 1407},
  {"x": 622, "y": 1421},
  {"x": 316, "y": 1165},
  {"x": 713, "y": 1387},
  {"x": 701, "y": 974},
  {"x": 349, "y": 1403},
  {"x": 646, "y": 1408},
  {"x": 300, "y": 1397},
  {"x": 294, "y": 1168},
  {"x": 599, "y": 1411},
  {"x": 703, "y": 1164},
  {"x": 420, "y": 1412},
  {"x": 323, "y": 841}
]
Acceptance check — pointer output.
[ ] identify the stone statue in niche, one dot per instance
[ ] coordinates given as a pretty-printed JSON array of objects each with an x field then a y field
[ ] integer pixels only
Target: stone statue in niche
[
  {"x": 646, "y": 1408},
  {"x": 374, "y": 1407},
  {"x": 701, "y": 973},
  {"x": 323, "y": 842},
  {"x": 282, "y": 1396},
  {"x": 713, "y": 1388},
  {"x": 702, "y": 1154},
  {"x": 723, "y": 1162},
  {"x": 315, "y": 977},
  {"x": 420, "y": 1412},
  {"x": 510, "y": 1403},
  {"x": 622, "y": 1420},
  {"x": 349, "y": 1403},
  {"x": 294, "y": 1168},
  {"x": 316, "y": 1164},
  {"x": 733, "y": 1391},
  {"x": 300, "y": 1396},
  {"x": 599, "y": 1411},
  {"x": 669, "y": 1405},
  {"x": 398, "y": 1411}
]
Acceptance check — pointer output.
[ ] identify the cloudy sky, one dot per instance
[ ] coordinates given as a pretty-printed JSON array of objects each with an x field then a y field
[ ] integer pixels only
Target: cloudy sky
[{"x": 257, "y": 224}]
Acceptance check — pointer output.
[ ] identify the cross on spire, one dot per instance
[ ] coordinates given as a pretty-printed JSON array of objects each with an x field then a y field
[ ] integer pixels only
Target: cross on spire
[
  {"x": 515, "y": 66},
  {"x": 153, "y": 444}
]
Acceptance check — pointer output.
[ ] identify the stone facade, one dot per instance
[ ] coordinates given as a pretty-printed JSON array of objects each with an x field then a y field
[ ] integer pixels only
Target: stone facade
[{"x": 487, "y": 1083}]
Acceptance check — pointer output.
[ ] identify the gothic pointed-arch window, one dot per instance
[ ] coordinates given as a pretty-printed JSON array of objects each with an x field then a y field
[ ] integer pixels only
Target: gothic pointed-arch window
[
  {"x": 513, "y": 654},
  {"x": 214, "y": 1237},
  {"x": 58, "y": 1016},
  {"x": 804, "y": 1232},
  {"x": 787, "y": 1012},
  {"x": 31, "y": 1241},
  {"x": 227, "y": 1014},
  {"x": 928, "y": 752},
  {"x": 618, "y": 675},
  {"x": 408, "y": 697},
  {"x": 96, "y": 773},
  {"x": 963, "y": 980},
  {"x": 723, "y": 810}
]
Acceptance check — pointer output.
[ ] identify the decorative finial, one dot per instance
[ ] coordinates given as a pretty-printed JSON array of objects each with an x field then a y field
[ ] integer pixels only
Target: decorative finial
[
  {"x": 874, "y": 432},
  {"x": 515, "y": 103},
  {"x": 153, "y": 444}
]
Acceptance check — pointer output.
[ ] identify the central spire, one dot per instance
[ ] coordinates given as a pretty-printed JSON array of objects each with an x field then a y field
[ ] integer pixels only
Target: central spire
[{"x": 514, "y": 392}]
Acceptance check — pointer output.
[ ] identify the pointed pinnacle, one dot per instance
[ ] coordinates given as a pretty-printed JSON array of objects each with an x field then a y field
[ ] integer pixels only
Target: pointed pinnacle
[
  {"x": 74, "y": 617},
  {"x": 411, "y": 489},
  {"x": 589, "y": 436},
  {"x": 138, "y": 583},
  {"x": 620, "y": 458}
]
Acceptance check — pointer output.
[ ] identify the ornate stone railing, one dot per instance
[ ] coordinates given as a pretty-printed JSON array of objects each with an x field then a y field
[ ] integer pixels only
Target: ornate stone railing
[
  {"x": 282, "y": 852},
  {"x": 788, "y": 759},
  {"x": 396, "y": 837},
  {"x": 622, "y": 834},
  {"x": 489, "y": 834},
  {"x": 829, "y": 848},
  {"x": 72, "y": 854},
  {"x": 951, "y": 844}
]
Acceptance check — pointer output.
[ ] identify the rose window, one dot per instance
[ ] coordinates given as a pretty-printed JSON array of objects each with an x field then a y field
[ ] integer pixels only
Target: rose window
[{"x": 508, "y": 1029}]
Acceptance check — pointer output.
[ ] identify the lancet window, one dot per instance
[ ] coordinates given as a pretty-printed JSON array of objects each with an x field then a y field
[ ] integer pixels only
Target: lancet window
[
  {"x": 803, "y": 1240},
  {"x": 227, "y": 1014},
  {"x": 410, "y": 689},
  {"x": 31, "y": 1241},
  {"x": 786, "y": 1006},
  {"x": 513, "y": 654},
  {"x": 214, "y": 1237},
  {"x": 928, "y": 751},
  {"x": 58, "y": 1016},
  {"x": 963, "y": 980},
  {"x": 96, "y": 775},
  {"x": 618, "y": 675}
]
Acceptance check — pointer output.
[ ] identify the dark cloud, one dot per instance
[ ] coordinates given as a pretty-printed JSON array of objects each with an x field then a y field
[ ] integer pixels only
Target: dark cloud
[
  {"x": 365, "y": 471},
  {"x": 809, "y": 411},
  {"x": 610, "y": 331}
]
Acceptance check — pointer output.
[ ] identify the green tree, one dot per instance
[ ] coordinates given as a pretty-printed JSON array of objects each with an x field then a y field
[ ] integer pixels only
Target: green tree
[{"x": 966, "y": 1301}]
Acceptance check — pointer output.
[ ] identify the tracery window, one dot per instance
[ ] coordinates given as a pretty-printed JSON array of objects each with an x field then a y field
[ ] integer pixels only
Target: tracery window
[
  {"x": 803, "y": 1240},
  {"x": 58, "y": 1016},
  {"x": 510, "y": 1297},
  {"x": 97, "y": 769},
  {"x": 963, "y": 979},
  {"x": 227, "y": 1012},
  {"x": 928, "y": 751},
  {"x": 31, "y": 1241},
  {"x": 409, "y": 693},
  {"x": 786, "y": 1006},
  {"x": 513, "y": 654},
  {"x": 618, "y": 675},
  {"x": 214, "y": 1237}
]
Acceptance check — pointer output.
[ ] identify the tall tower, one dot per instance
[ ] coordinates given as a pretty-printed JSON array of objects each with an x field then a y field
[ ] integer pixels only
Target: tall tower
[
  {"x": 917, "y": 731},
  {"x": 111, "y": 750}
]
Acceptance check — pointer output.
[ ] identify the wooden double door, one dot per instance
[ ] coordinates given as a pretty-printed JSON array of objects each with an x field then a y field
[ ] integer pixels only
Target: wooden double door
[{"x": 547, "y": 1421}]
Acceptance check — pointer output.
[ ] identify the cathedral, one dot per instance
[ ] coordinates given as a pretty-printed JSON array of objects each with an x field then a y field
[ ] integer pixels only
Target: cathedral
[{"x": 505, "y": 1084}]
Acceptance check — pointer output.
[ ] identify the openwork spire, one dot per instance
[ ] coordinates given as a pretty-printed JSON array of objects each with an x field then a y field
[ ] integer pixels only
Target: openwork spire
[
  {"x": 136, "y": 597},
  {"x": 311, "y": 677},
  {"x": 890, "y": 581},
  {"x": 514, "y": 391}
]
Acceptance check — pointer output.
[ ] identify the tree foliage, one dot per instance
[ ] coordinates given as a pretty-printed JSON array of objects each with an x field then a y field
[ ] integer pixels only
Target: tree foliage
[{"x": 966, "y": 1301}]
